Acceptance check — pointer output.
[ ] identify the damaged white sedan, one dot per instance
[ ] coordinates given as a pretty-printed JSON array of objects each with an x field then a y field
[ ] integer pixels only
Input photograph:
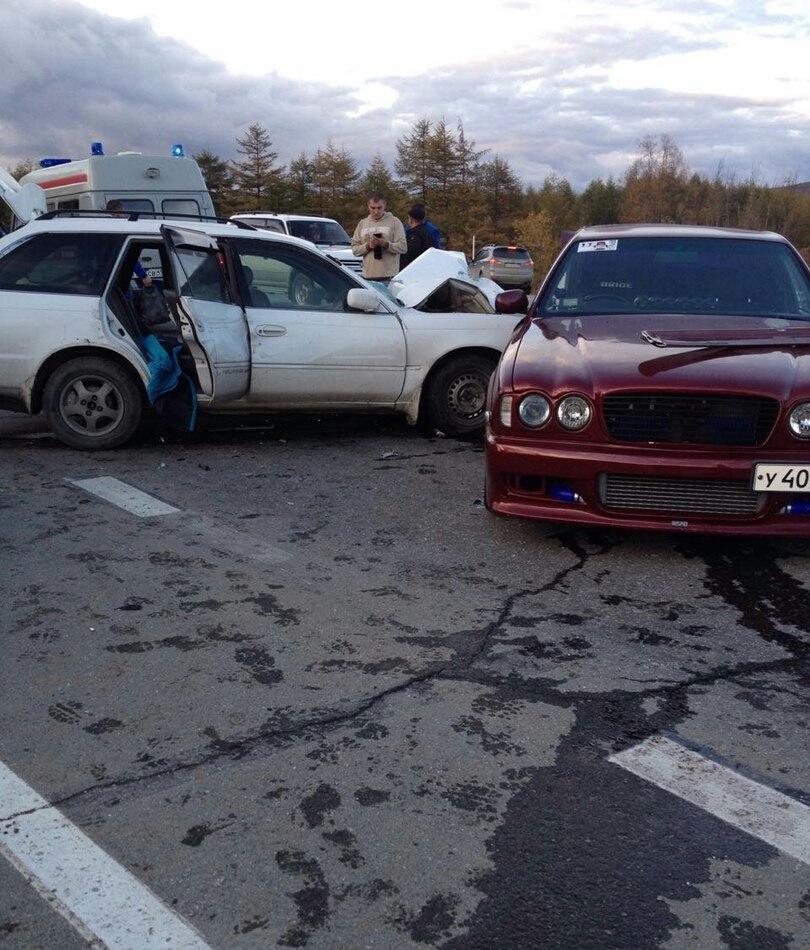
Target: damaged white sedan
[{"x": 102, "y": 317}]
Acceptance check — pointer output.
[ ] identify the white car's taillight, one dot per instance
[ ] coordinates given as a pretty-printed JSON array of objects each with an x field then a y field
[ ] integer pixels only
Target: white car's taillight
[{"x": 506, "y": 411}]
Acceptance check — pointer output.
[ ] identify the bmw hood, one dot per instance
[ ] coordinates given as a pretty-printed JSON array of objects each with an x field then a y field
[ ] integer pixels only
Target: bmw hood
[{"x": 595, "y": 355}]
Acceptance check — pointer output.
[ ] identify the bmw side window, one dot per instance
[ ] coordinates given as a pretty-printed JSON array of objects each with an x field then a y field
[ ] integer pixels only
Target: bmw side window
[
  {"x": 280, "y": 277},
  {"x": 60, "y": 264}
]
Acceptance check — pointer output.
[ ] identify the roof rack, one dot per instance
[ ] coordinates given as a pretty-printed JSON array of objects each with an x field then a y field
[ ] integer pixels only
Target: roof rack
[{"x": 138, "y": 215}]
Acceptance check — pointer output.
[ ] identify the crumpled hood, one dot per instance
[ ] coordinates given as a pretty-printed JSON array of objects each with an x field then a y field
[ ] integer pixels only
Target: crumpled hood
[
  {"x": 416, "y": 282},
  {"x": 600, "y": 354}
]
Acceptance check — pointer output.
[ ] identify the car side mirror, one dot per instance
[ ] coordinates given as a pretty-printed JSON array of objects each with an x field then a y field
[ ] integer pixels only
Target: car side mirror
[
  {"x": 359, "y": 298},
  {"x": 511, "y": 301}
]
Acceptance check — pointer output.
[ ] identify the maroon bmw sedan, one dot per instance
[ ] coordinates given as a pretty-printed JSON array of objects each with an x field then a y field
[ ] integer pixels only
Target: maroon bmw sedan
[{"x": 660, "y": 380}]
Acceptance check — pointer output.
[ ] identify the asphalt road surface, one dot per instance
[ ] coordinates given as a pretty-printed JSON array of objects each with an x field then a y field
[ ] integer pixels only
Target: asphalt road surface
[{"x": 319, "y": 697}]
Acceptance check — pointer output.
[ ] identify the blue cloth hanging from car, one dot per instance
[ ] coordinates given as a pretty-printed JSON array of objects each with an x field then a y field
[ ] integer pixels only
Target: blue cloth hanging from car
[{"x": 170, "y": 390}]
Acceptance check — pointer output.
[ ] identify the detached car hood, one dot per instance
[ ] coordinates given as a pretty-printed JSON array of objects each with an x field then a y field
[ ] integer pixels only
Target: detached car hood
[
  {"x": 431, "y": 270},
  {"x": 600, "y": 354}
]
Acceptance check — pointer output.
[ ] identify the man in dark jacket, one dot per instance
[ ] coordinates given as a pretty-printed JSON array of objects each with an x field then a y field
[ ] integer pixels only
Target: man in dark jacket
[{"x": 417, "y": 235}]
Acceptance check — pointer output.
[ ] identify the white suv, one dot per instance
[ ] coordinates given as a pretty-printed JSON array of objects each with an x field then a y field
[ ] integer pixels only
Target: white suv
[
  {"x": 236, "y": 318},
  {"x": 324, "y": 233}
]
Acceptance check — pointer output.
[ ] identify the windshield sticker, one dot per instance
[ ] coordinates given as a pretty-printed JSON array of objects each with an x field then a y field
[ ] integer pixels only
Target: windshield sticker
[
  {"x": 616, "y": 284},
  {"x": 597, "y": 246}
]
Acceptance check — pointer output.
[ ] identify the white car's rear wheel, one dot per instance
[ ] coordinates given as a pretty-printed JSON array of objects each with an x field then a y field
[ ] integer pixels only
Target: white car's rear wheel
[{"x": 92, "y": 403}]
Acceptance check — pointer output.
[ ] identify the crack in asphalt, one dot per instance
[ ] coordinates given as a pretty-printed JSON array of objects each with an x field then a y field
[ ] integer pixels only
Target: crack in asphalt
[
  {"x": 460, "y": 669},
  {"x": 239, "y": 748}
]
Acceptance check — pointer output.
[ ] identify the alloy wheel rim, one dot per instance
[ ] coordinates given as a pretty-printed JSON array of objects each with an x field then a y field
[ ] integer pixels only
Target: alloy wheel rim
[{"x": 91, "y": 405}]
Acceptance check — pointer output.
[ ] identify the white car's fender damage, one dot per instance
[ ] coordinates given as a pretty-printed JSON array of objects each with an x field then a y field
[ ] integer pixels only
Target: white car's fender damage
[{"x": 432, "y": 333}]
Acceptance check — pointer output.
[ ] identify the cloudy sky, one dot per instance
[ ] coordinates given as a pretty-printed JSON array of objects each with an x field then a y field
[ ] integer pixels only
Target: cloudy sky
[{"x": 554, "y": 87}]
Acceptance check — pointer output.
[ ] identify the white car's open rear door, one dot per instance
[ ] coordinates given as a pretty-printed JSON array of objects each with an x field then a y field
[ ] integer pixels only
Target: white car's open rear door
[{"x": 214, "y": 328}]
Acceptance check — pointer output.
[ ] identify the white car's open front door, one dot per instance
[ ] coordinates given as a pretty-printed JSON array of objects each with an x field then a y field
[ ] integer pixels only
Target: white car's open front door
[{"x": 214, "y": 327}]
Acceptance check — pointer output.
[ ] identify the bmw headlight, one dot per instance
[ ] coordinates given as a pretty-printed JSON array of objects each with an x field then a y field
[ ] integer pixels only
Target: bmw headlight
[
  {"x": 799, "y": 420},
  {"x": 534, "y": 410},
  {"x": 574, "y": 413}
]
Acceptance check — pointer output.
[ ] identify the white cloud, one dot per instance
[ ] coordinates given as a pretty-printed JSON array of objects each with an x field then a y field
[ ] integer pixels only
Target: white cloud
[{"x": 569, "y": 89}]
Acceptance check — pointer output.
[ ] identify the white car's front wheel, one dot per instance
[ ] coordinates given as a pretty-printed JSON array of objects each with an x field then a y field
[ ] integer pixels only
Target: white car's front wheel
[
  {"x": 92, "y": 403},
  {"x": 456, "y": 395}
]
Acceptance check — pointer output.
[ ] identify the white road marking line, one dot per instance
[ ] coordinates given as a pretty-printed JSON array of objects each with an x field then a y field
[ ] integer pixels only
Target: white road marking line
[
  {"x": 101, "y": 899},
  {"x": 755, "y": 808},
  {"x": 125, "y": 496}
]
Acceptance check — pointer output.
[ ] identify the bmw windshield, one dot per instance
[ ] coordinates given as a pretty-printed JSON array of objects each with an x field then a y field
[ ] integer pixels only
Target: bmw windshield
[{"x": 679, "y": 275}]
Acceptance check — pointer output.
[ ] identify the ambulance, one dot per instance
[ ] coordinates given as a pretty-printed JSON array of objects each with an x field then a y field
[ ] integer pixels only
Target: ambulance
[{"x": 163, "y": 184}]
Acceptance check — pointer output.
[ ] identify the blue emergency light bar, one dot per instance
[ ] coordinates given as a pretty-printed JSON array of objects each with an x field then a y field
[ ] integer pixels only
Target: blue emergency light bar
[
  {"x": 50, "y": 162},
  {"x": 96, "y": 148},
  {"x": 178, "y": 151}
]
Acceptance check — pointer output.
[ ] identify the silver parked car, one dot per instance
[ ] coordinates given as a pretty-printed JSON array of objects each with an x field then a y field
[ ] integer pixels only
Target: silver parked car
[{"x": 509, "y": 266}]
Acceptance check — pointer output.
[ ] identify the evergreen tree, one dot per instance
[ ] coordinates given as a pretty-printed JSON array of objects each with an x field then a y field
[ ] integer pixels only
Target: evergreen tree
[
  {"x": 300, "y": 184},
  {"x": 335, "y": 177},
  {"x": 259, "y": 183},
  {"x": 501, "y": 195},
  {"x": 218, "y": 178},
  {"x": 599, "y": 203},
  {"x": 413, "y": 164}
]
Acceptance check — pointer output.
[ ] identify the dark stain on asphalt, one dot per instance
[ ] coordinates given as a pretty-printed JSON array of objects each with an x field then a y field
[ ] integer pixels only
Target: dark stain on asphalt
[
  {"x": 254, "y": 923},
  {"x": 180, "y": 642},
  {"x": 311, "y": 900},
  {"x": 393, "y": 664},
  {"x": 566, "y": 620},
  {"x": 493, "y": 743},
  {"x": 630, "y": 863},
  {"x": 768, "y": 598},
  {"x": 372, "y": 730},
  {"x": 316, "y": 806},
  {"x": 67, "y": 712},
  {"x": 267, "y": 605},
  {"x": 472, "y": 796},
  {"x": 739, "y": 934},
  {"x": 577, "y": 648},
  {"x": 346, "y": 841},
  {"x": 102, "y": 726},
  {"x": 170, "y": 559},
  {"x": 371, "y": 796},
  {"x": 195, "y": 835},
  {"x": 258, "y": 662},
  {"x": 207, "y": 605},
  {"x": 435, "y": 920}
]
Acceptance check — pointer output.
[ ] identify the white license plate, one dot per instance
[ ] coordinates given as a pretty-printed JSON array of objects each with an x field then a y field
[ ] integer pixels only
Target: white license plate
[{"x": 781, "y": 477}]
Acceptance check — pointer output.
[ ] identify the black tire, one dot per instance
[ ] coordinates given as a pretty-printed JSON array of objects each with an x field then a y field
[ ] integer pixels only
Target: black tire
[
  {"x": 92, "y": 403},
  {"x": 456, "y": 395}
]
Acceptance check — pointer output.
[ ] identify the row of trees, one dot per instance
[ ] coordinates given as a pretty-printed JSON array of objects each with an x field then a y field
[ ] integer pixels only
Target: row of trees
[
  {"x": 469, "y": 192},
  {"x": 472, "y": 193}
]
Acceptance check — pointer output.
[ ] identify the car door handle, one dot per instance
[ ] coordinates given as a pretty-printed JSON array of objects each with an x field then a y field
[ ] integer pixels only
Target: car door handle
[{"x": 271, "y": 330}]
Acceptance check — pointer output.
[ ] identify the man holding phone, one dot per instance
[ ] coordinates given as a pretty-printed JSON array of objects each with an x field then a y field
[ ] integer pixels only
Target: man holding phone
[{"x": 379, "y": 239}]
